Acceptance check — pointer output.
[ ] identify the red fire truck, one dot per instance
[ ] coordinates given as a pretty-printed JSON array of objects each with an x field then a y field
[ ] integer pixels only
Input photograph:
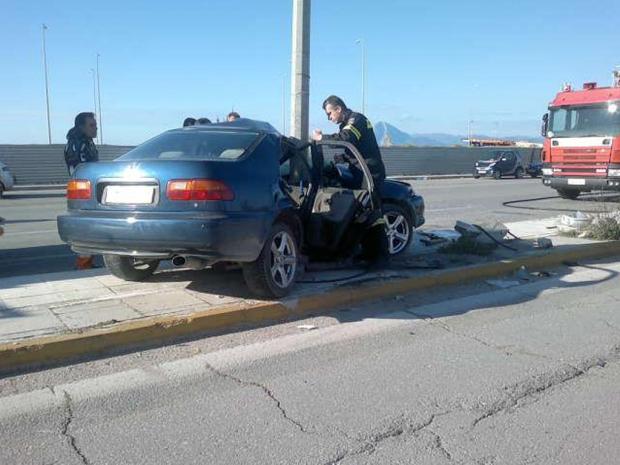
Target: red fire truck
[{"x": 581, "y": 151}]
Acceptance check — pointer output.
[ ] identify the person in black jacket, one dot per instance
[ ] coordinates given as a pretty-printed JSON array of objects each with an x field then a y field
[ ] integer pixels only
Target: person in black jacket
[
  {"x": 80, "y": 147},
  {"x": 356, "y": 129}
]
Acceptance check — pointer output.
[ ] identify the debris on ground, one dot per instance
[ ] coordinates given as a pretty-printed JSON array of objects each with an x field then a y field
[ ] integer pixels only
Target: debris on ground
[
  {"x": 306, "y": 327},
  {"x": 543, "y": 243},
  {"x": 503, "y": 283},
  {"x": 600, "y": 226}
]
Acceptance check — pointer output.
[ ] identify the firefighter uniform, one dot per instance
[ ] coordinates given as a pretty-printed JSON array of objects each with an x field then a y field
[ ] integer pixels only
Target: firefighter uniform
[{"x": 357, "y": 130}]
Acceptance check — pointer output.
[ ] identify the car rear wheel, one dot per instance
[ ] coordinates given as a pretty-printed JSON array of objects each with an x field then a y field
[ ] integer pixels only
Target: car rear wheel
[
  {"x": 130, "y": 268},
  {"x": 519, "y": 173},
  {"x": 273, "y": 274},
  {"x": 570, "y": 194},
  {"x": 398, "y": 228}
]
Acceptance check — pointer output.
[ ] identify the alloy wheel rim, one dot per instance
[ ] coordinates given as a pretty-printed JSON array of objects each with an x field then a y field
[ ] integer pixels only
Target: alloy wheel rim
[
  {"x": 283, "y": 259},
  {"x": 397, "y": 230}
]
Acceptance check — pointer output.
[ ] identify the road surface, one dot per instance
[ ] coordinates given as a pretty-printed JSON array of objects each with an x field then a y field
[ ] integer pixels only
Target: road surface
[
  {"x": 467, "y": 375},
  {"x": 31, "y": 243}
]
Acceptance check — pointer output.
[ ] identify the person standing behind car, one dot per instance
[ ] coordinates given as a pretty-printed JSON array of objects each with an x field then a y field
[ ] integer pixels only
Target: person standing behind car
[
  {"x": 232, "y": 116},
  {"x": 80, "y": 148}
]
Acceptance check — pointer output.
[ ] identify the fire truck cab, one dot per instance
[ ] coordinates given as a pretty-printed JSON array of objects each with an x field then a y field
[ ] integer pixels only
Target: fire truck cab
[{"x": 581, "y": 150}]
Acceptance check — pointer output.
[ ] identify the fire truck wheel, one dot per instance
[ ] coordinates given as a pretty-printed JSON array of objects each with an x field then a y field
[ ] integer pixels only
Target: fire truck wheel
[{"x": 570, "y": 194}]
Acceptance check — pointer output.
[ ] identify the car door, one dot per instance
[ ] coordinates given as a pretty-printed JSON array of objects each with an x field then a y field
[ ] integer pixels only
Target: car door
[
  {"x": 333, "y": 207},
  {"x": 510, "y": 163}
]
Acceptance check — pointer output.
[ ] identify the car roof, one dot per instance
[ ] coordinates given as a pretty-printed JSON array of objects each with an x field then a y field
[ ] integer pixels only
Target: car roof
[{"x": 241, "y": 124}]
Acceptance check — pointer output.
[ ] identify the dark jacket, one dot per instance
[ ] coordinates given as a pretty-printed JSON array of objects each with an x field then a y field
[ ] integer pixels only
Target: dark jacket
[
  {"x": 79, "y": 149},
  {"x": 357, "y": 130}
]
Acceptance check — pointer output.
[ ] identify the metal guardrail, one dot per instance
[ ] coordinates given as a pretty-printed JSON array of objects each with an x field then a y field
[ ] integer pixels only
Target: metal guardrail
[{"x": 44, "y": 164}]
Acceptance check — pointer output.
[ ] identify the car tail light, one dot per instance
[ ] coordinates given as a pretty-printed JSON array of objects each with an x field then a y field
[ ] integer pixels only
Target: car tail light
[
  {"x": 79, "y": 189},
  {"x": 198, "y": 189}
]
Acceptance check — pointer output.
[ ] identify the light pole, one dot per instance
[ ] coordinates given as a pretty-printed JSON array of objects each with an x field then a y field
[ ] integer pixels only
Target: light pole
[
  {"x": 300, "y": 70},
  {"x": 47, "y": 92},
  {"x": 99, "y": 98},
  {"x": 362, "y": 42},
  {"x": 92, "y": 72}
]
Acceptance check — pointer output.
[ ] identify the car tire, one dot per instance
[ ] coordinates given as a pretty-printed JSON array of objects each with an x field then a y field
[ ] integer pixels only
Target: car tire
[
  {"x": 398, "y": 228},
  {"x": 274, "y": 272},
  {"x": 130, "y": 268},
  {"x": 569, "y": 194},
  {"x": 476, "y": 176},
  {"x": 497, "y": 174},
  {"x": 1, "y": 190},
  {"x": 519, "y": 173}
]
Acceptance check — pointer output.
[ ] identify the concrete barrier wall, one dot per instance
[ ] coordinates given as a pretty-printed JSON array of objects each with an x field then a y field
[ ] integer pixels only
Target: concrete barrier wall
[{"x": 44, "y": 164}]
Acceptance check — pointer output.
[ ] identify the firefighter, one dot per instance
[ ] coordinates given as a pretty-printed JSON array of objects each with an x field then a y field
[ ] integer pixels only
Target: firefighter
[
  {"x": 80, "y": 148},
  {"x": 357, "y": 129}
]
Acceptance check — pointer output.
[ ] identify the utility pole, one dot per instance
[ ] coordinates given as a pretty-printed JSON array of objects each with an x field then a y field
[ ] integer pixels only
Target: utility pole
[
  {"x": 284, "y": 105},
  {"x": 300, "y": 70},
  {"x": 92, "y": 72},
  {"x": 99, "y": 98},
  {"x": 362, "y": 42},
  {"x": 47, "y": 91}
]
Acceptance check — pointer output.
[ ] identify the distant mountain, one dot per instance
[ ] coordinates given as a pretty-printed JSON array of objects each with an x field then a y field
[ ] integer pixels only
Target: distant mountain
[{"x": 388, "y": 134}]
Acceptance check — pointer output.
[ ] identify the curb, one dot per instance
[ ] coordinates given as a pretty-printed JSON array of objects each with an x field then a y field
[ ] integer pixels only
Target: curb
[{"x": 54, "y": 350}]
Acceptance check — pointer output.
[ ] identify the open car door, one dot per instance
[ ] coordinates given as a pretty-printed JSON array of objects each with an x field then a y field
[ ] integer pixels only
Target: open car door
[{"x": 338, "y": 208}]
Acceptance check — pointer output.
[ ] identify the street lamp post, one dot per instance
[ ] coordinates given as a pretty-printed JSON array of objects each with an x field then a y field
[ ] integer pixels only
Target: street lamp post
[
  {"x": 47, "y": 93},
  {"x": 99, "y": 98},
  {"x": 362, "y": 42},
  {"x": 92, "y": 72}
]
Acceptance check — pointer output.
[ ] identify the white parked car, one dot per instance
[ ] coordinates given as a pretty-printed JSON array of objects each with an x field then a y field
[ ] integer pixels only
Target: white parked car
[{"x": 7, "y": 180}]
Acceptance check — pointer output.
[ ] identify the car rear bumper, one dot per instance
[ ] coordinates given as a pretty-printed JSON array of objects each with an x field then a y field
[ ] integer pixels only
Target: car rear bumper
[
  {"x": 557, "y": 182},
  {"x": 225, "y": 237}
]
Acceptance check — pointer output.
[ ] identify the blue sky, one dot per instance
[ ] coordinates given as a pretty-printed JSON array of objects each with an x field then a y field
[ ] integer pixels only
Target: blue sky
[{"x": 431, "y": 65}]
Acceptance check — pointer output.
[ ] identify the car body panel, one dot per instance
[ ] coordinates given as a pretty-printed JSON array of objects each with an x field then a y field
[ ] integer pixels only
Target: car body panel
[{"x": 219, "y": 230}]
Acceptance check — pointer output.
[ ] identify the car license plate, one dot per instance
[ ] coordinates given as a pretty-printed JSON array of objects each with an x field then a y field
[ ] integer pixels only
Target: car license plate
[
  {"x": 129, "y": 195},
  {"x": 482, "y": 171},
  {"x": 576, "y": 182}
]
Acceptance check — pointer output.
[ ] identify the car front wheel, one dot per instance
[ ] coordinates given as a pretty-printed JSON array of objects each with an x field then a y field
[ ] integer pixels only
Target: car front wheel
[
  {"x": 273, "y": 274},
  {"x": 130, "y": 268},
  {"x": 519, "y": 173},
  {"x": 497, "y": 174},
  {"x": 398, "y": 228}
]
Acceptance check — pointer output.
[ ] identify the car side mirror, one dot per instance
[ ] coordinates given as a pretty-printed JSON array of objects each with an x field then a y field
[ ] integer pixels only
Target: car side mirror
[{"x": 545, "y": 125}]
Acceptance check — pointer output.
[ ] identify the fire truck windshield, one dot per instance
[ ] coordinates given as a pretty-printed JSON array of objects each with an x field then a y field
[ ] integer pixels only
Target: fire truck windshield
[{"x": 592, "y": 120}]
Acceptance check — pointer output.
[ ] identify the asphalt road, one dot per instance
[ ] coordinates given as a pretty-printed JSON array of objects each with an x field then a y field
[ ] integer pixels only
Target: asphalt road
[
  {"x": 471, "y": 375},
  {"x": 31, "y": 243}
]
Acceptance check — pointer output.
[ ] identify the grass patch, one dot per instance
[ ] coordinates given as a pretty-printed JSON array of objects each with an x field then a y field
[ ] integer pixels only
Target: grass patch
[
  {"x": 604, "y": 229},
  {"x": 468, "y": 246}
]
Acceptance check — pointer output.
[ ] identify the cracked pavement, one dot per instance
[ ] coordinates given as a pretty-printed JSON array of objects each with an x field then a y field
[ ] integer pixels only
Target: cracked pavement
[{"x": 465, "y": 375}]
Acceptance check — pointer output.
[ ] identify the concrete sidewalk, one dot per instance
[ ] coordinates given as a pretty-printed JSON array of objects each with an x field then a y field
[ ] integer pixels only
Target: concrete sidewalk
[{"x": 87, "y": 305}]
